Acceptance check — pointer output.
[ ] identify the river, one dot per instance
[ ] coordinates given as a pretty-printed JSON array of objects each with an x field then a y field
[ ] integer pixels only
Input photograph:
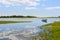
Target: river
[{"x": 24, "y": 30}]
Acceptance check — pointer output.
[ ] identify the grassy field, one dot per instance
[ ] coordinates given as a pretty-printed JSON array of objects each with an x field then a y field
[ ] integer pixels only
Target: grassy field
[
  {"x": 50, "y": 32},
  {"x": 54, "y": 30},
  {"x": 7, "y": 22}
]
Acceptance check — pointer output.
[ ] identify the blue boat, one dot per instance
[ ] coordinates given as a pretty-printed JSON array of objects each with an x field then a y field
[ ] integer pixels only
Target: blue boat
[{"x": 44, "y": 20}]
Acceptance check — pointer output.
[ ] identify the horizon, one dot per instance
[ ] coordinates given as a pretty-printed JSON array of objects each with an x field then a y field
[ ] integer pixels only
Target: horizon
[
  {"x": 30, "y": 7},
  {"x": 30, "y": 15}
]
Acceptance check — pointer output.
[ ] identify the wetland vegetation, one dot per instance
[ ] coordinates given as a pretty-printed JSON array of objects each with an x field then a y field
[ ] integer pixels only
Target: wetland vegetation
[
  {"x": 15, "y": 16},
  {"x": 50, "y": 31},
  {"x": 8, "y": 22}
]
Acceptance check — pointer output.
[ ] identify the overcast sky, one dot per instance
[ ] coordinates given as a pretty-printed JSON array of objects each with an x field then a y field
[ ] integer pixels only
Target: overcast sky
[{"x": 30, "y": 7}]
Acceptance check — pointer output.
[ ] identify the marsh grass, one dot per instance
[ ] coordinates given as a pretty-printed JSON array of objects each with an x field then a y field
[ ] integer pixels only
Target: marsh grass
[
  {"x": 54, "y": 30},
  {"x": 49, "y": 31},
  {"x": 7, "y": 22}
]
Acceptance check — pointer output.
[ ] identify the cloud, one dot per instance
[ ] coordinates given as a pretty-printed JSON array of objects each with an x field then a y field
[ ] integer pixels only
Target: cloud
[
  {"x": 52, "y": 8},
  {"x": 28, "y": 8},
  {"x": 27, "y": 3}
]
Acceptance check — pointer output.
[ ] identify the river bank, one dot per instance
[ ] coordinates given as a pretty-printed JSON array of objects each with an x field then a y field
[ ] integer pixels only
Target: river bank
[
  {"x": 8, "y": 22},
  {"x": 50, "y": 31}
]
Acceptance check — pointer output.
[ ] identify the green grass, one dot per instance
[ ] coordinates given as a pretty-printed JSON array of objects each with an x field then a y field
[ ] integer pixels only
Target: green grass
[
  {"x": 49, "y": 31},
  {"x": 7, "y": 22},
  {"x": 54, "y": 29}
]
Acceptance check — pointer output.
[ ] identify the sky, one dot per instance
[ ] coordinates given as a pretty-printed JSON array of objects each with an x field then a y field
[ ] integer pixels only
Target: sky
[{"x": 30, "y": 7}]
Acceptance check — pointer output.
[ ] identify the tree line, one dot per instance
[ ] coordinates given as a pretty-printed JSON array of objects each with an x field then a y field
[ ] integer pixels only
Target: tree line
[{"x": 14, "y": 16}]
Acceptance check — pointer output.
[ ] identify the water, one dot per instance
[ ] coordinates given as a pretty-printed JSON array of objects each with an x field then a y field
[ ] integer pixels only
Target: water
[
  {"x": 25, "y": 30},
  {"x": 5, "y": 39}
]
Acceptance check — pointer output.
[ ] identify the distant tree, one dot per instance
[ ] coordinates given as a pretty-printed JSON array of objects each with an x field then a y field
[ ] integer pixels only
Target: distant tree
[
  {"x": 59, "y": 16},
  {"x": 14, "y": 16}
]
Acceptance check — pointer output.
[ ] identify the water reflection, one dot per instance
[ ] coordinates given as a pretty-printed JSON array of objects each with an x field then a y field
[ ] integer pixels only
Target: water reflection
[{"x": 23, "y": 31}]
